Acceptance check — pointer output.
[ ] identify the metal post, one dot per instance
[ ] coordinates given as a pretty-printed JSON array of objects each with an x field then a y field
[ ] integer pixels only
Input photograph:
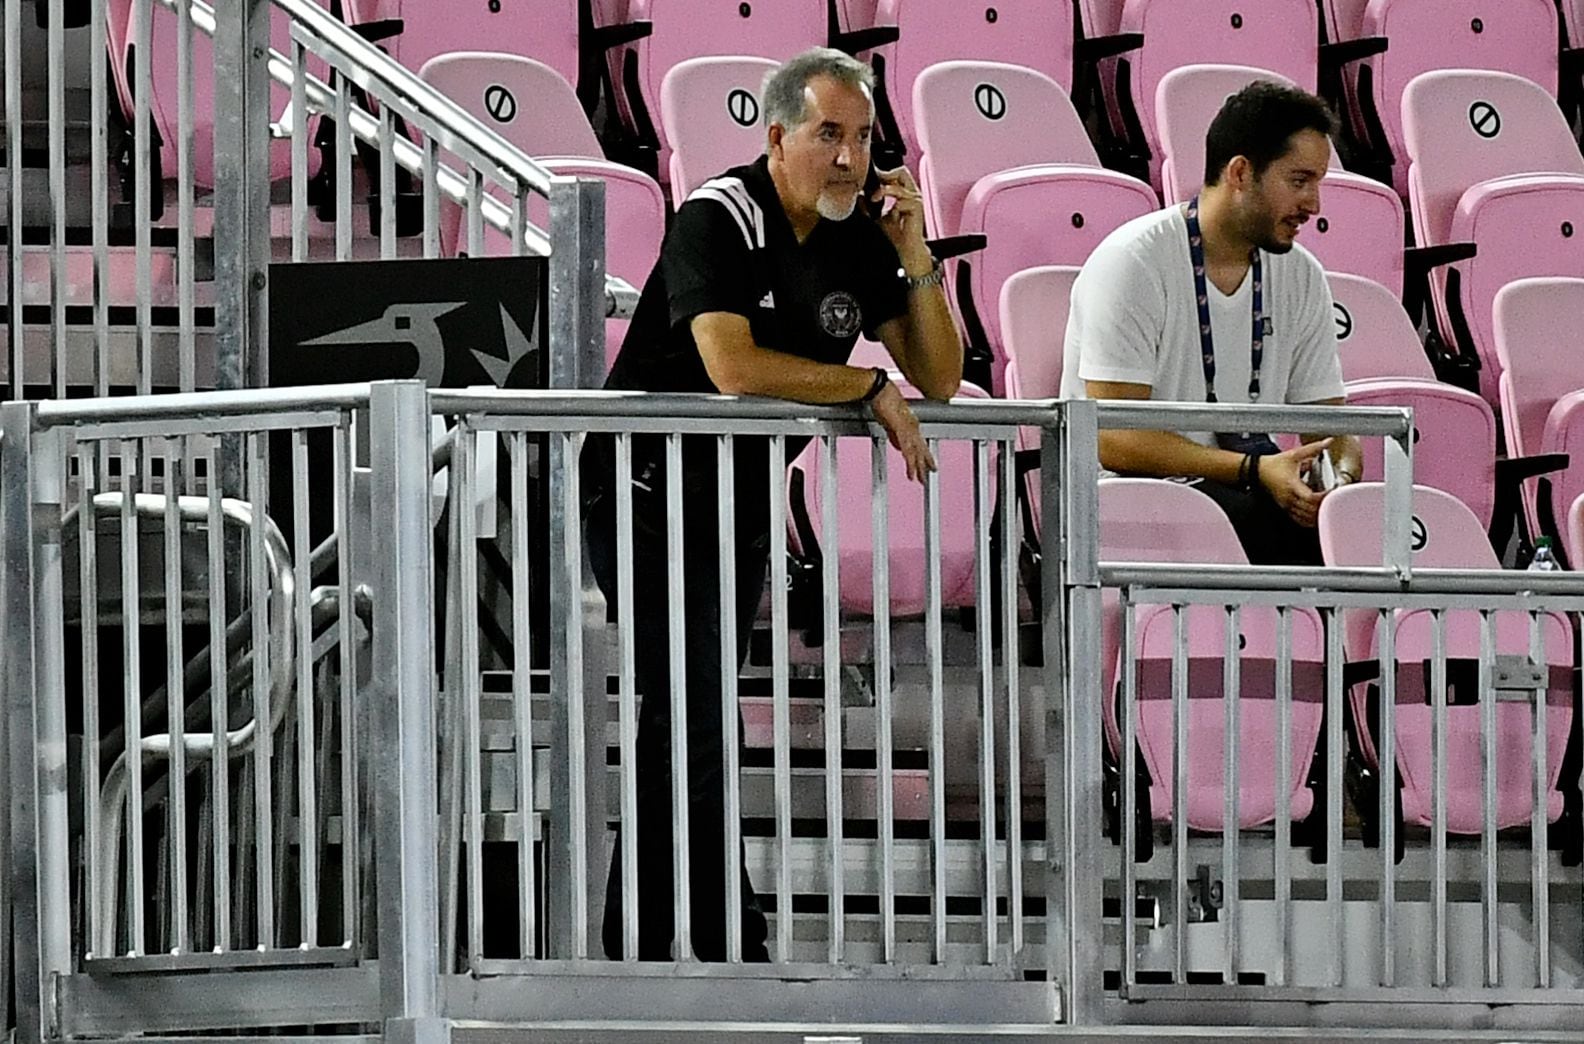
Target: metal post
[
  {"x": 405, "y": 790},
  {"x": 1071, "y": 541},
  {"x": 241, "y": 193},
  {"x": 576, "y": 298},
  {"x": 35, "y": 692}
]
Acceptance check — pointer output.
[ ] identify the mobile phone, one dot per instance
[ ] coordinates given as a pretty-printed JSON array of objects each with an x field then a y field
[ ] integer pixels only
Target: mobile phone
[{"x": 871, "y": 185}]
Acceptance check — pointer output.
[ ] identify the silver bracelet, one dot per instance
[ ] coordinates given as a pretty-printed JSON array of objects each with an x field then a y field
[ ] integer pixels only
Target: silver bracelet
[{"x": 936, "y": 276}]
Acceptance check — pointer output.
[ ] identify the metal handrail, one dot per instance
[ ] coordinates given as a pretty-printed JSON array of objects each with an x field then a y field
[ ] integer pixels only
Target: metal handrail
[
  {"x": 240, "y": 740},
  {"x": 454, "y": 128}
]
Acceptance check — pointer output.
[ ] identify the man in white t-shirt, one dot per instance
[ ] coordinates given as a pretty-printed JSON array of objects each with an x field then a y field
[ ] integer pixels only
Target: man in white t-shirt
[{"x": 1178, "y": 305}]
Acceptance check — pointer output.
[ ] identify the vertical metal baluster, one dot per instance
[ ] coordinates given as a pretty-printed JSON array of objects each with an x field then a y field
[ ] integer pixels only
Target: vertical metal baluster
[
  {"x": 780, "y": 696},
  {"x": 831, "y": 618},
  {"x": 466, "y": 566},
  {"x": 933, "y": 641},
  {"x": 1127, "y": 791},
  {"x": 519, "y": 220},
  {"x": 1282, "y": 871},
  {"x": 300, "y": 124},
  {"x": 1438, "y": 809},
  {"x": 14, "y": 253},
  {"x": 219, "y": 705},
  {"x": 263, "y": 698},
  {"x": 99, "y": 175},
  {"x": 1334, "y": 710},
  {"x": 681, "y": 879},
  {"x": 307, "y": 787},
  {"x": 627, "y": 713},
  {"x": 522, "y": 705},
  {"x": 133, "y": 698},
  {"x": 1488, "y": 893},
  {"x": 1010, "y": 663},
  {"x": 984, "y": 615},
  {"x": 1231, "y": 831},
  {"x": 475, "y": 212},
  {"x": 88, "y": 482},
  {"x": 1387, "y": 649},
  {"x": 431, "y": 197},
  {"x": 731, "y": 766},
  {"x": 186, "y": 279},
  {"x": 885, "y": 781},
  {"x": 176, "y": 700},
  {"x": 1180, "y": 792},
  {"x": 387, "y": 174},
  {"x": 56, "y": 59},
  {"x": 343, "y": 169},
  {"x": 1539, "y": 823},
  {"x": 143, "y": 194},
  {"x": 351, "y": 754}
]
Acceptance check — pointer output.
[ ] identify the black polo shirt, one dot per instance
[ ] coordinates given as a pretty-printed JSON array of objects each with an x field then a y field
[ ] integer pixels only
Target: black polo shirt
[{"x": 731, "y": 249}]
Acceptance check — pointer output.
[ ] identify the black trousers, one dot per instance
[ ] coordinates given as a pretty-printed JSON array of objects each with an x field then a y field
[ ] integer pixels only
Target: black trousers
[
  {"x": 1269, "y": 535},
  {"x": 700, "y": 611}
]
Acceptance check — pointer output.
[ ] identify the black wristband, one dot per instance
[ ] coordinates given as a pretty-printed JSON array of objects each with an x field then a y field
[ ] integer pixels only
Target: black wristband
[{"x": 881, "y": 379}]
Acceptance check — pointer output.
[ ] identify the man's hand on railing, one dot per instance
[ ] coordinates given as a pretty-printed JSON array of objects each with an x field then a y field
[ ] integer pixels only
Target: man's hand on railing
[
  {"x": 1283, "y": 475},
  {"x": 892, "y": 411}
]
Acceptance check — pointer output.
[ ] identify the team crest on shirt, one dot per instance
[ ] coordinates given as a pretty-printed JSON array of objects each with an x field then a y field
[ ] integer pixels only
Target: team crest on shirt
[{"x": 839, "y": 315}]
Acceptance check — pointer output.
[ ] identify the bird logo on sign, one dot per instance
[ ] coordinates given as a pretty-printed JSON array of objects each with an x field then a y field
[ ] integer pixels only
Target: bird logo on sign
[
  {"x": 990, "y": 102},
  {"x": 743, "y": 107},
  {"x": 417, "y": 324}
]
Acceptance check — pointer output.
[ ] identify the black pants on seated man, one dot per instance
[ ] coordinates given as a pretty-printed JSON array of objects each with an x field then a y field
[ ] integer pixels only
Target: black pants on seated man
[
  {"x": 700, "y": 613},
  {"x": 1268, "y": 534}
]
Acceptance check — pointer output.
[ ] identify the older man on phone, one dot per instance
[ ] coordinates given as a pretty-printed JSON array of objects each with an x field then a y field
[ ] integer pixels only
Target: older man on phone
[{"x": 766, "y": 279}]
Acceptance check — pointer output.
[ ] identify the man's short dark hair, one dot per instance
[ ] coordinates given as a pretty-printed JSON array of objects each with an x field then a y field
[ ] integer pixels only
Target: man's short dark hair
[{"x": 1258, "y": 122}]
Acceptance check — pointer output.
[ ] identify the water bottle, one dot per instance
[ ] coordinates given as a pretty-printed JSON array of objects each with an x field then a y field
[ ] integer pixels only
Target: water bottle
[{"x": 1544, "y": 560}]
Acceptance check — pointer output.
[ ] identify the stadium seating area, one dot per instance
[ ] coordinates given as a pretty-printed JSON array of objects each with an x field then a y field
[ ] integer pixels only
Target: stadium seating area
[{"x": 1041, "y": 126}]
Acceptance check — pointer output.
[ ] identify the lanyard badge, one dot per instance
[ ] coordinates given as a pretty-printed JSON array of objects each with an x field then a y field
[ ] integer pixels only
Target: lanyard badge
[{"x": 1244, "y": 442}]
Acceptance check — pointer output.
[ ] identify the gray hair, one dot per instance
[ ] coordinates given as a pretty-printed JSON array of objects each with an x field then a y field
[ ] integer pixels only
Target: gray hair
[{"x": 782, "y": 93}]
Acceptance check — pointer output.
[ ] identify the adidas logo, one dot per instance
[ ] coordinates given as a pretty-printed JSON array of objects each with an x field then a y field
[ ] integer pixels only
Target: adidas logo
[{"x": 768, "y": 300}]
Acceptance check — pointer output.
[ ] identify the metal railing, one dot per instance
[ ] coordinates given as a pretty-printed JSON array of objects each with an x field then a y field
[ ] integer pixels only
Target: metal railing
[
  {"x": 174, "y": 290},
  {"x": 921, "y": 794},
  {"x": 941, "y": 917},
  {"x": 1227, "y": 679}
]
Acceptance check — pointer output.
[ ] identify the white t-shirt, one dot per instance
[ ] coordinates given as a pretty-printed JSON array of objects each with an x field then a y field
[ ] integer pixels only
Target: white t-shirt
[{"x": 1133, "y": 319}]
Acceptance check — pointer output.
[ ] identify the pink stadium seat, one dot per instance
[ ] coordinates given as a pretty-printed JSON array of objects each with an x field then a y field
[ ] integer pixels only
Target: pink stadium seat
[
  {"x": 546, "y": 31},
  {"x": 1514, "y": 36},
  {"x": 1446, "y": 535},
  {"x": 685, "y": 29},
  {"x": 1494, "y": 163},
  {"x": 853, "y": 15},
  {"x": 1575, "y": 531},
  {"x": 984, "y": 176},
  {"x": 1344, "y": 19},
  {"x": 710, "y": 110},
  {"x": 1036, "y": 34},
  {"x": 1375, "y": 337},
  {"x": 1284, "y": 34},
  {"x": 1360, "y": 228},
  {"x": 905, "y": 507},
  {"x": 1152, "y": 520},
  {"x": 1384, "y": 364},
  {"x": 1542, "y": 388},
  {"x": 1034, "y": 304},
  {"x": 546, "y": 121},
  {"x": 120, "y": 36}
]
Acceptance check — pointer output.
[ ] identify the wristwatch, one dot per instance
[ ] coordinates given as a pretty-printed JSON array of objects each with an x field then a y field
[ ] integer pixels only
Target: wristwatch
[{"x": 934, "y": 277}]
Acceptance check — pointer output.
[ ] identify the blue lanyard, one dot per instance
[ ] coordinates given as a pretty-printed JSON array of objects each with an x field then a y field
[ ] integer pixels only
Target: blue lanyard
[{"x": 1202, "y": 295}]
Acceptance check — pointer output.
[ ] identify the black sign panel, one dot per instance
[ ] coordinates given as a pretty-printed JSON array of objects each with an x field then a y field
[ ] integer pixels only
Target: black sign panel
[{"x": 452, "y": 323}]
